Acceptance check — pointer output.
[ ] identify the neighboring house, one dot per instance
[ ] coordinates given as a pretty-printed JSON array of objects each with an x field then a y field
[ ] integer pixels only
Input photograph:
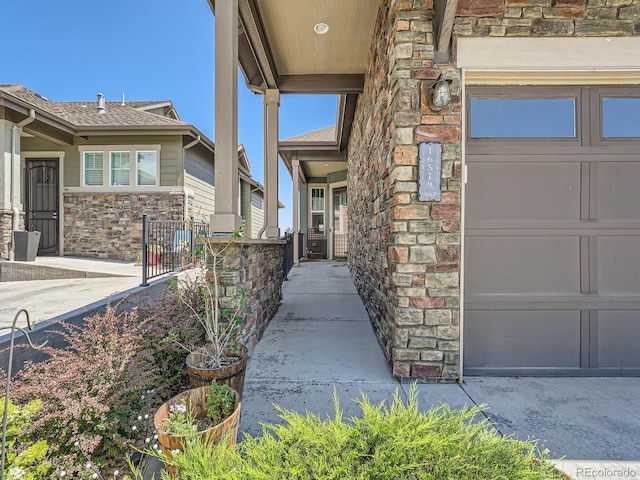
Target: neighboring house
[
  {"x": 83, "y": 173},
  {"x": 493, "y": 230}
]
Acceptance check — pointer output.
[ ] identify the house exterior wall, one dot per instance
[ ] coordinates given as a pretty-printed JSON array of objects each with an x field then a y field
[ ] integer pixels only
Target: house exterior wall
[
  {"x": 199, "y": 179},
  {"x": 109, "y": 225},
  {"x": 405, "y": 254},
  {"x": 106, "y": 222},
  {"x": 257, "y": 221}
]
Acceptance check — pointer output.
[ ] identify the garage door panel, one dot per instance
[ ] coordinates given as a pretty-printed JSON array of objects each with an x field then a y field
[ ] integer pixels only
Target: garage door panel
[
  {"x": 616, "y": 192},
  {"x": 522, "y": 339},
  {"x": 617, "y": 264},
  {"x": 535, "y": 264},
  {"x": 615, "y": 339},
  {"x": 520, "y": 191}
]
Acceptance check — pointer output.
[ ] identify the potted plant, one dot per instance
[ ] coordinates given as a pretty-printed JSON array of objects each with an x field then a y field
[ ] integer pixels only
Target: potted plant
[
  {"x": 211, "y": 413},
  {"x": 223, "y": 358},
  {"x": 154, "y": 253}
]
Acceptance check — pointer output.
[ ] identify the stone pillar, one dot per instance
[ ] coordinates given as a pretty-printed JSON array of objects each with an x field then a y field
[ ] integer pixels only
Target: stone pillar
[
  {"x": 226, "y": 218},
  {"x": 296, "y": 209},
  {"x": 272, "y": 103}
]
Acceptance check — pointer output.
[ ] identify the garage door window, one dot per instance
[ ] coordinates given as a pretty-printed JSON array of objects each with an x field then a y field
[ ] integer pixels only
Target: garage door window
[
  {"x": 523, "y": 117},
  {"x": 621, "y": 117}
]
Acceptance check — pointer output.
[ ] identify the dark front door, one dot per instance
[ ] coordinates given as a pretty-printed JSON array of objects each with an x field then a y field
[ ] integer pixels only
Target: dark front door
[{"x": 41, "y": 202}]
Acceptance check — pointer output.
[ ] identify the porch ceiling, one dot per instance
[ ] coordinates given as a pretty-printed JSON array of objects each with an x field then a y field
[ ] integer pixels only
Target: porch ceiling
[{"x": 278, "y": 48}]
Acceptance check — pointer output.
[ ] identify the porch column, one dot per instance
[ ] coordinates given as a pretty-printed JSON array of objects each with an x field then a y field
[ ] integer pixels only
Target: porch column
[
  {"x": 296, "y": 209},
  {"x": 271, "y": 103},
  {"x": 226, "y": 218}
]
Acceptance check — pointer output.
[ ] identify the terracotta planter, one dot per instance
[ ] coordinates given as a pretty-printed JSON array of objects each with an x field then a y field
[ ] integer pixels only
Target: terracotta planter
[
  {"x": 195, "y": 400},
  {"x": 232, "y": 375},
  {"x": 153, "y": 258}
]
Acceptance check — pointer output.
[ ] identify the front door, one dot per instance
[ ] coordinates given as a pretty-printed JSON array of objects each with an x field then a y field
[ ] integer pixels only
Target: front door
[
  {"x": 41, "y": 202},
  {"x": 340, "y": 223}
]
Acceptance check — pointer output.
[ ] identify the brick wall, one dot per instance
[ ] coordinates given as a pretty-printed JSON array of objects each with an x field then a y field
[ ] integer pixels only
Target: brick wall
[
  {"x": 110, "y": 225},
  {"x": 254, "y": 267},
  {"x": 404, "y": 253}
]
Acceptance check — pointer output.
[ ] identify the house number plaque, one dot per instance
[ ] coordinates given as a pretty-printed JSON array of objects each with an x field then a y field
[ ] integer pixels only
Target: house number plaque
[{"x": 430, "y": 169}]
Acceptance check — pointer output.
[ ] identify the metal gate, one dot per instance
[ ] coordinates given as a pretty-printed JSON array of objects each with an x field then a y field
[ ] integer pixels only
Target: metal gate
[{"x": 42, "y": 202}]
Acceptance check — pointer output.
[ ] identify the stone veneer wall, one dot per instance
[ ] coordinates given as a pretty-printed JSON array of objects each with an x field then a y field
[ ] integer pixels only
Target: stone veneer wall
[
  {"x": 109, "y": 225},
  {"x": 547, "y": 18},
  {"x": 6, "y": 232},
  {"x": 254, "y": 267},
  {"x": 405, "y": 254}
]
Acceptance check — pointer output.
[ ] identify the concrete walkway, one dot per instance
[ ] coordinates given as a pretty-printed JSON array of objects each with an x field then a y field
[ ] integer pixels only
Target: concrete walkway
[{"x": 321, "y": 340}]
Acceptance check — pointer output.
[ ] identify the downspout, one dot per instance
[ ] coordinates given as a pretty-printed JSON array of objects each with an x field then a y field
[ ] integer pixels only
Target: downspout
[
  {"x": 15, "y": 171},
  {"x": 185, "y": 202}
]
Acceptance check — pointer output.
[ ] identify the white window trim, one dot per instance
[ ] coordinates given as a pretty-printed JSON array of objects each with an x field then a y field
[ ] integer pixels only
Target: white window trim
[
  {"x": 84, "y": 167},
  {"x": 110, "y": 167},
  {"x": 107, "y": 150}
]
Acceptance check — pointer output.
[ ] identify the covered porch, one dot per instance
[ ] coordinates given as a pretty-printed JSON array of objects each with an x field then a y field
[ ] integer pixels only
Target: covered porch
[{"x": 318, "y": 167}]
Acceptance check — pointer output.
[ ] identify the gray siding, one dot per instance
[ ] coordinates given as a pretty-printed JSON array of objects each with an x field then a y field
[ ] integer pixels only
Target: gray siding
[
  {"x": 170, "y": 155},
  {"x": 199, "y": 177}
]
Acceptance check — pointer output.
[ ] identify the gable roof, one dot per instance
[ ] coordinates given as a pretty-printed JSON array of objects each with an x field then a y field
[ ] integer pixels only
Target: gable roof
[
  {"x": 327, "y": 134},
  {"x": 84, "y": 114},
  {"x": 60, "y": 122}
]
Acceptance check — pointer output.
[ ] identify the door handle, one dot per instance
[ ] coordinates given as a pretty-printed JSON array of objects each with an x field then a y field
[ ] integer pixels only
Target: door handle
[{"x": 54, "y": 215}]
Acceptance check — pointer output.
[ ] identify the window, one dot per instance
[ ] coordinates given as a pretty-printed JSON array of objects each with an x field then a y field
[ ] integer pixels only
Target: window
[
  {"x": 523, "y": 117},
  {"x": 147, "y": 168},
  {"x": 621, "y": 117},
  {"x": 93, "y": 168},
  {"x": 120, "y": 170},
  {"x": 120, "y": 166},
  {"x": 317, "y": 208}
]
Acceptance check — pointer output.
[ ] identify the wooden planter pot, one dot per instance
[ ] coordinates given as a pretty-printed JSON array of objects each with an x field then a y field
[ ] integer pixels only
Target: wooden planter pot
[
  {"x": 195, "y": 399},
  {"x": 232, "y": 375}
]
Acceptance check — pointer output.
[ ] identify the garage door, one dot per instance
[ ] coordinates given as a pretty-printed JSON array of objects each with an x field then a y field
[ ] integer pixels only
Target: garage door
[{"x": 552, "y": 231}]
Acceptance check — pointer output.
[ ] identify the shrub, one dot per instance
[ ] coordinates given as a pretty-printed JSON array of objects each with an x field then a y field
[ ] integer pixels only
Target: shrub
[
  {"x": 172, "y": 331},
  {"x": 396, "y": 443},
  {"x": 92, "y": 391},
  {"x": 24, "y": 459}
]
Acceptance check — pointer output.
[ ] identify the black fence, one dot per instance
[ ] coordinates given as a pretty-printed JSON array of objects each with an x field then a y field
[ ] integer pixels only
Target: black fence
[
  {"x": 169, "y": 246},
  {"x": 287, "y": 255}
]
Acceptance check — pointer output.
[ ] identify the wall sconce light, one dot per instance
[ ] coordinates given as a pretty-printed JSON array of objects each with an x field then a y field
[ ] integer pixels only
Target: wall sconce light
[{"x": 439, "y": 95}]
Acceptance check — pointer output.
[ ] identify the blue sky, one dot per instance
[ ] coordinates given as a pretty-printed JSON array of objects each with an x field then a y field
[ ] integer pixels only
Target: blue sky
[{"x": 148, "y": 50}]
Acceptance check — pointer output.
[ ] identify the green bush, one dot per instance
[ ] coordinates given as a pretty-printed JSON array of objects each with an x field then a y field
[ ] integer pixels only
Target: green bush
[
  {"x": 397, "y": 442},
  {"x": 24, "y": 459}
]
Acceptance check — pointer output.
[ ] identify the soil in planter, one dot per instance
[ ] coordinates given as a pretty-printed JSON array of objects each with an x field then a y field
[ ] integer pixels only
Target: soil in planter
[{"x": 233, "y": 374}]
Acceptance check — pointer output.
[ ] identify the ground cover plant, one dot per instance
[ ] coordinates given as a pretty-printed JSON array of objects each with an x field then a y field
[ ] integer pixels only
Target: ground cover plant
[{"x": 395, "y": 442}]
